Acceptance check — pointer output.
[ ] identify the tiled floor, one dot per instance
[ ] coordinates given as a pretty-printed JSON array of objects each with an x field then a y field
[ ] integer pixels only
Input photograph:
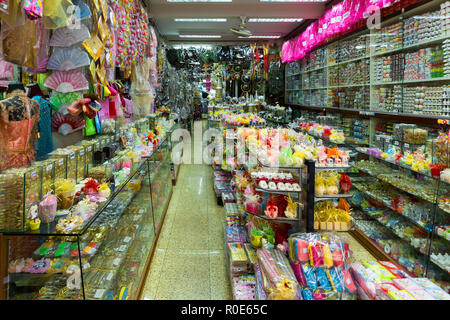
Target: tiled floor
[{"x": 189, "y": 261}]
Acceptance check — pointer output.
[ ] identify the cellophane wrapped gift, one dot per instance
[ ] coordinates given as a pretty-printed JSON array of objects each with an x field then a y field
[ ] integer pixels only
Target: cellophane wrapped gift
[
  {"x": 321, "y": 265},
  {"x": 281, "y": 282},
  {"x": 47, "y": 208}
]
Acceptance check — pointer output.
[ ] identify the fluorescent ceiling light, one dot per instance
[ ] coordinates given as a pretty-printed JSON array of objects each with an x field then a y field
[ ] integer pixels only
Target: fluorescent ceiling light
[
  {"x": 275, "y": 19},
  {"x": 199, "y": 0},
  {"x": 261, "y": 37},
  {"x": 200, "y": 20},
  {"x": 200, "y": 36},
  {"x": 197, "y": 46}
]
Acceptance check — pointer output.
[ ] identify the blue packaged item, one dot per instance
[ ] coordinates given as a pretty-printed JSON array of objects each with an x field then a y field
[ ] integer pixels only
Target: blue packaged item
[
  {"x": 310, "y": 277},
  {"x": 307, "y": 294},
  {"x": 323, "y": 280},
  {"x": 336, "y": 279}
]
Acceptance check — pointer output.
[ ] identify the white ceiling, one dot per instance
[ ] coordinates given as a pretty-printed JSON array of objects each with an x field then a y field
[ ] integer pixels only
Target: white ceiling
[{"x": 163, "y": 14}]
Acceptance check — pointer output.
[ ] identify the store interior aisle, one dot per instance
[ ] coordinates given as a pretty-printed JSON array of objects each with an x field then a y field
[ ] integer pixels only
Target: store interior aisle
[{"x": 189, "y": 260}]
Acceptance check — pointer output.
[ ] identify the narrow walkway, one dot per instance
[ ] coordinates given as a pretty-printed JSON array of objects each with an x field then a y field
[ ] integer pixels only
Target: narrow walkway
[{"x": 189, "y": 261}]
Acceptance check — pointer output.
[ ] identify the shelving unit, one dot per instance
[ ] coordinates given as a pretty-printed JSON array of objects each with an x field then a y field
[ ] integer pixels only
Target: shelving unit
[{"x": 302, "y": 95}]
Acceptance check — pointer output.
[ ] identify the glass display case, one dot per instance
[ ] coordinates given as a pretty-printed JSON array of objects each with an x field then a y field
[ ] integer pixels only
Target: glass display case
[{"x": 107, "y": 257}]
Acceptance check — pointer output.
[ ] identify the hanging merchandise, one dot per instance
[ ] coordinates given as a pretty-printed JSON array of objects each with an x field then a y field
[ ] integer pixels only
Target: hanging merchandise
[
  {"x": 6, "y": 70},
  {"x": 140, "y": 89},
  {"x": 67, "y": 81},
  {"x": 61, "y": 101},
  {"x": 33, "y": 9},
  {"x": 57, "y": 13},
  {"x": 68, "y": 36},
  {"x": 266, "y": 48},
  {"x": 19, "y": 44},
  {"x": 81, "y": 10},
  {"x": 132, "y": 32},
  {"x": 65, "y": 59},
  {"x": 44, "y": 143}
]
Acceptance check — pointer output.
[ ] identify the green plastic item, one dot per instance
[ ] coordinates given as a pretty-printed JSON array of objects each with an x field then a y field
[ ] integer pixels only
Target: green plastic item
[{"x": 90, "y": 126}]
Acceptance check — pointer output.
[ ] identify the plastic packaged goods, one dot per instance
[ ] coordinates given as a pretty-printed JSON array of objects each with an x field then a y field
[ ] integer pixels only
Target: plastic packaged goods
[
  {"x": 381, "y": 280},
  {"x": 320, "y": 264},
  {"x": 281, "y": 282},
  {"x": 244, "y": 287}
]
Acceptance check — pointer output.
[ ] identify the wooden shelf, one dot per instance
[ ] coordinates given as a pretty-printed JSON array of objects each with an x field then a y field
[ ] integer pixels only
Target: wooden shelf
[{"x": 401, "y": 117}]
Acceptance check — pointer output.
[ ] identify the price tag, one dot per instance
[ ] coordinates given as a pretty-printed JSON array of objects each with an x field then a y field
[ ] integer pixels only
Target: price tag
[
  {"x": 304, "y": 43},
  {"x": 61, "y": 162},
  {"x": 99, "y": 293},
  {"x": 378, "y": 138},
  {"x": 346, "y": 15},
  {"x": 320, "y": 30},
  {"x": 72, "y": 156},
  {"x": 116, "y": 262},
  {"x": 325, "y": 26},
  {"x": 122, "y": 248},
  {"x": 90, "y": 148},
  {"x": 406, "y": 145},
  {"x": 49, "y": 167},
  {"x": 82, "y": 152},
  {"x": 338, "y": 19},
  {"x": 86, "y": 265},
  {"x": 127, "y": 239},
  {"x": 311, "y": 37},
  {"x": 33, "y": 174},
  {"x": 110, "y": 276},
  {"x": 396, "y": 143}
]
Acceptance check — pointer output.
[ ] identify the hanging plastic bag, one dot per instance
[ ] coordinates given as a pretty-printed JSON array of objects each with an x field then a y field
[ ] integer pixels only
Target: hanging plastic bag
[
  {"x": 13, "y": 15},
  {"x": 19, "y": 44},
  {"x": 90, "y": 126},
  {"x": 98, "y": 124},
  {"x": 6, "y": 70},
  {"x": 57, "y": 13},
  {"x": 4, "y": 4}
]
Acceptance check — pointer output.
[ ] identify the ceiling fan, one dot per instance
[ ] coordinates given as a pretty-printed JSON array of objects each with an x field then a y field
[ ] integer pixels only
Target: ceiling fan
[{"x": 241, "y": 30}]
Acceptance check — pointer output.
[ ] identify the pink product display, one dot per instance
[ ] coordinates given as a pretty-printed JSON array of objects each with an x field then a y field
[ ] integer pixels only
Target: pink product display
[
  {"x": 382, "y": 280},
  {"x": 132, "y": 33},
  {"x": 244, "y": 287},
  {"x": 340, "y": 18}
]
